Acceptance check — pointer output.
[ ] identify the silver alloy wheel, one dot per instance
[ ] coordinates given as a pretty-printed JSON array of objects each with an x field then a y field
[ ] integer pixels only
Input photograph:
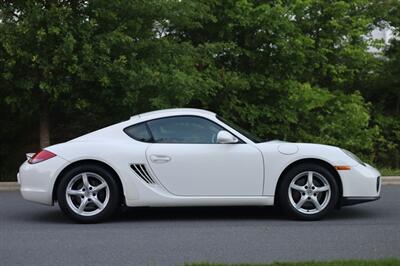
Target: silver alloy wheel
[
  {"x": 87, "y": 194},
  {"x": 309, "y": 192}
]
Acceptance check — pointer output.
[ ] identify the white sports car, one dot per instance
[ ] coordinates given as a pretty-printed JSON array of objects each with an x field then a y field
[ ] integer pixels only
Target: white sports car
[{"x": 191, "y": 157}]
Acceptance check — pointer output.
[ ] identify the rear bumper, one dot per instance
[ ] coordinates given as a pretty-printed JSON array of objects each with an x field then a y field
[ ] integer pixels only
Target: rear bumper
[
  {"x": 347, "y": 201},
  {"x": 37, "y": 180}
]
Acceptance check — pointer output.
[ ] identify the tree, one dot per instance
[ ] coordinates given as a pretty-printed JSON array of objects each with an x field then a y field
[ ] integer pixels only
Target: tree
[
  {"x": 40, "y": 42},
  {"x": 97, "y": 57},
  {"x": 268, "y": 55},
  {"x": 294, "y": 70}
]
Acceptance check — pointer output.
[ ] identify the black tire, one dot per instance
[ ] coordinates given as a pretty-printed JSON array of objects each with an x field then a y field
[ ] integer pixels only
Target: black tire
[
  {"x": 114, "y": 193},
  {"x": 284, "y": 200}
]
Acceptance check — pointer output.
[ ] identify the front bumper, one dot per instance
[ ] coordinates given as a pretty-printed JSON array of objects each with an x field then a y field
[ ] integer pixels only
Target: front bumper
[
  {"x": 347, "y": 201},
  {"x": 362, "y": 181},
  {"x": 37, "y": 180}
]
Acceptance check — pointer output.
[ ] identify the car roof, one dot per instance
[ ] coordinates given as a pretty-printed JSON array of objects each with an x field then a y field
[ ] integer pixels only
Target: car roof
[
  {"x": 172, "y": 112},
  {"x": 115, "y": 129}
]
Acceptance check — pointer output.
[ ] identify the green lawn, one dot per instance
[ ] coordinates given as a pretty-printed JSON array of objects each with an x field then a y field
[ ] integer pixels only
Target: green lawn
[
  {"x": 385, "y": 262},
  {"x": 389, "y": 172}
]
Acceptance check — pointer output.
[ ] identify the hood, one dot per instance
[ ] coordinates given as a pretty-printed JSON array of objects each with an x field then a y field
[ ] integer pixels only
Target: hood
[{"x": 275, "y": 141}]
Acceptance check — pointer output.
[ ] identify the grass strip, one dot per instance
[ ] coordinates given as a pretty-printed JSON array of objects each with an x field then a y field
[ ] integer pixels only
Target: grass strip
[{"x": 382, "y": 262}]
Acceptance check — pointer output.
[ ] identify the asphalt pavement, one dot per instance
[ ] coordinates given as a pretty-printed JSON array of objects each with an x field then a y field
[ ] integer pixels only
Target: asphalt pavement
[{"x": 32, "y": 234}]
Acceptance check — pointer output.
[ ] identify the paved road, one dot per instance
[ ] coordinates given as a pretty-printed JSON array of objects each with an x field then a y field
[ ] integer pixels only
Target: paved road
[{"x": 40, "y": 235}]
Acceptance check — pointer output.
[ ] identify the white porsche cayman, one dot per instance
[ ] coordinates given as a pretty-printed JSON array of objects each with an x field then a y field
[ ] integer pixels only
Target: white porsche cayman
[{"x": 191, "y": 157}]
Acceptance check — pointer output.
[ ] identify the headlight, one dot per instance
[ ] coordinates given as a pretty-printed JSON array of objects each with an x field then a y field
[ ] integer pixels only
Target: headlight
[{"x": 353, "y": 156}]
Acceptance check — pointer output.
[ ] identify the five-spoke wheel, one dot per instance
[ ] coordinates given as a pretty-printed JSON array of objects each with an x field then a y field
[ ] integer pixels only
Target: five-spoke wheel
[
  {"x": 308, "y": 191},
  {"x": 88, "y": 193}
]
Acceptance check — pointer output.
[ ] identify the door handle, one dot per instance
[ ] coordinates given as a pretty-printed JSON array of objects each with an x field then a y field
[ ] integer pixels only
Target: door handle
[{"x": 160, "y": 158}]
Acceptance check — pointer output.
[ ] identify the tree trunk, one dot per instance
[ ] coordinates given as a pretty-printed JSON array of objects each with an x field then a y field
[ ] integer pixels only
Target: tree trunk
[
  {"x": 397, "y": 153},
  {"x": 44, "y": 127}
]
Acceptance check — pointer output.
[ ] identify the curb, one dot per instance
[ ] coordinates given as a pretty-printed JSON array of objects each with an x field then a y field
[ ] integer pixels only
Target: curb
[
  {"x": 9, "y": 186},
  {"x": 14, "y": 186},
  {"x": 390, "y": 180}
]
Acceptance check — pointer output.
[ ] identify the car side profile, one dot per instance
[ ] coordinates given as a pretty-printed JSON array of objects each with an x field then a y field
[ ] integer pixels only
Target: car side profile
[{"x": 192, "y": 157}]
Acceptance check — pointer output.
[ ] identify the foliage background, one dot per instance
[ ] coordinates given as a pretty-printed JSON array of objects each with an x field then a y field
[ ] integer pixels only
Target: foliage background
[{"x": 297, "y": 70}]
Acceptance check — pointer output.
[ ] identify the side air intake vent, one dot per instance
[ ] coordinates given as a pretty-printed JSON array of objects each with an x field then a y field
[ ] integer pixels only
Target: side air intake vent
[{"x": 141, "y": 171}]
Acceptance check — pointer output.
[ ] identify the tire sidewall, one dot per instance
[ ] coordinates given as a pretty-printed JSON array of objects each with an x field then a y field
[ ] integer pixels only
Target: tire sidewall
[
  {"x": 284, "y": 201},
  {"x": 112, "y": 204}
]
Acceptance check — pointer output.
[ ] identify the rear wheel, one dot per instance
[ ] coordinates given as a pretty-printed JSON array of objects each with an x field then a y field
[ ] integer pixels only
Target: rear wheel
[
  {"x": 88, "y": 193},
  {"x": 308, "y": 192}
]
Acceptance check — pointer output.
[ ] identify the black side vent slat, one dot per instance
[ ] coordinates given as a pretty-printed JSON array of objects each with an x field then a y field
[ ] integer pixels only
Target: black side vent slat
[
  {"x": 145, "y": 171},
  {"x": 142, "y": 168},
  {"x": 134, "y": 169},
  {"x": 141, "y": 171}
]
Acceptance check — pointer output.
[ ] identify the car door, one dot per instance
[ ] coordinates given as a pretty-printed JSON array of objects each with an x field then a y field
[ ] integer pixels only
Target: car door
[{"x": 188, "y": 162}]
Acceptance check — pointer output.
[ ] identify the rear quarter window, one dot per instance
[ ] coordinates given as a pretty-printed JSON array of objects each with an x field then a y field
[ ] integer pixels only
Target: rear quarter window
[{"x": 139, "y": 132}]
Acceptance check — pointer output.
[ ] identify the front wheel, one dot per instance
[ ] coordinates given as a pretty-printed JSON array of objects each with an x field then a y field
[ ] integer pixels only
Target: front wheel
[
  {"x": 308, "y": 192},
  {"x": 88, "y": 193}
]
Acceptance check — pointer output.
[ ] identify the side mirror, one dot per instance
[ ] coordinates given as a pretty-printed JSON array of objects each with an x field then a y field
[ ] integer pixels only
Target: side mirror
[{"x": 224, "y": 137}]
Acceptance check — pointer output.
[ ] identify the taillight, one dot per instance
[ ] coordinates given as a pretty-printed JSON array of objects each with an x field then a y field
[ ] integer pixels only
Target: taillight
[{"x": 41, "y": 156}]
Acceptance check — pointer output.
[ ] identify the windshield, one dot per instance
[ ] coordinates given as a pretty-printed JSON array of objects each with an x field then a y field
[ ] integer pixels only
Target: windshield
[{"x": 242, "y": 131}]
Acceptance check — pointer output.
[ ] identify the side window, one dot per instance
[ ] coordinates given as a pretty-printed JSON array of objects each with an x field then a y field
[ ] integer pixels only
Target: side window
[
  {"x": 184, "y": 129},
  {"x": 139, "y": 132}
]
